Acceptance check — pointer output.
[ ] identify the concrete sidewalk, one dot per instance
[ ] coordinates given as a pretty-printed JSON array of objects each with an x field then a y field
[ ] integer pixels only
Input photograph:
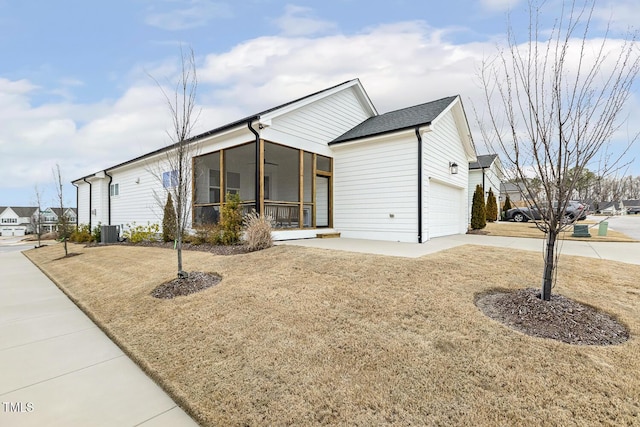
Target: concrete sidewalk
[
  {"x": 623, "y": 252},
  {"x": 57, "y": 368}
]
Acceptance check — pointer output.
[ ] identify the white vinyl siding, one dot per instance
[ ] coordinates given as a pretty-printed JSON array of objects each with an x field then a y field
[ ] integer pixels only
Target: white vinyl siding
[
  {"x": 475, "y": 178},
  {"x": 375, "y": 189},
  {"x": 83, "y": 203},
  {"x": 313, "y": 126},
  {"x": 141, "y": 196},
  {"x": 440, "y": 147},
  {"x": 99, "y": 201}
]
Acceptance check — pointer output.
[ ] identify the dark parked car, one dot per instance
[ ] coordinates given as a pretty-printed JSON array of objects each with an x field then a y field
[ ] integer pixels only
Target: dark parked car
[
  {"x": 634, "y": 210},
  {"x": 574, "y": 210}
]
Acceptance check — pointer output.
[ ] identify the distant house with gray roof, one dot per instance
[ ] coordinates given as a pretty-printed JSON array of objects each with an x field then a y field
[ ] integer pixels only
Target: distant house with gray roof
[
  {"x": 16, "y": 220},
  {"x": 487, "y": 172},
  {"x": 326, "y": 163}
]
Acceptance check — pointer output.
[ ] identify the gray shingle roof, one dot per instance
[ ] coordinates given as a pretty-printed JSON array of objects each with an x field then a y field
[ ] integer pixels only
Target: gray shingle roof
[
  {"x": 484, "y": 161},
  {"x": 392, "y": 121},
  {"x": 24, "y": 211}
]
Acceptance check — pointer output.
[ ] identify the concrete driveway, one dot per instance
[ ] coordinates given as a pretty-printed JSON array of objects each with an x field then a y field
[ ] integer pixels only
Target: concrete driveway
[
  {"x": 624, "y": 252},
  {"x": 627, "y": 224},
  {"x": 57, "y": 368}
]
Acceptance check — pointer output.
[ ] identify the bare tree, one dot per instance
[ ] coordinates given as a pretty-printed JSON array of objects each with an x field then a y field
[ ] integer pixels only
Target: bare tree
[
  {"x": 63, "y": 221},
  {"x": 36, "y": 219},
  {"x": 174, "y": 171},
  {"x": 559, "y": 94}
]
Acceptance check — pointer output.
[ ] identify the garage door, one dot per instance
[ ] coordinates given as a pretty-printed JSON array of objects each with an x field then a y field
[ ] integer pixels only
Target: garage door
[
  {"x": 9, "y": 231},
  {"x": 445, "y": 210}
]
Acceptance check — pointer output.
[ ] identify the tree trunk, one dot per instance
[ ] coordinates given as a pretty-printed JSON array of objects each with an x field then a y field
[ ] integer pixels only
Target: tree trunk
[
  {"x": 549, "y": 264},
  {"x": 179, "y": 248}
]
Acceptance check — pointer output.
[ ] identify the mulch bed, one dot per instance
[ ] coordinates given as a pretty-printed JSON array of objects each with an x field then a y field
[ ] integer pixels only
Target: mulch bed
[
  {"x": 560, "y": 319},
  {"x": 195, "y": 282},
  {"x": 214, "y": 249}
]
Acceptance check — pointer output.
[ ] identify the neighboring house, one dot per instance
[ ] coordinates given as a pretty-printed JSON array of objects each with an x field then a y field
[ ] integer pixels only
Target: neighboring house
[
  {"x": 50, "y": 218},
  {"x": 16, "y": 221},
  {"x": 515, "y": 192},
  {"x": 327, "y": 162},
  {"x": 488, "y": 173},
  {"x": 610, "y": 208}
]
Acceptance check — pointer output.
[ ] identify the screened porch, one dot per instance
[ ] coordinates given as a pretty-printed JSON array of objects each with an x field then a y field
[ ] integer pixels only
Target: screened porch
[{"x": 290, "y": 185}]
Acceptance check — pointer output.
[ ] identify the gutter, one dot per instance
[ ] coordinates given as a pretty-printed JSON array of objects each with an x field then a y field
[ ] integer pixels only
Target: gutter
[
  {"x": 85, "y": 180},
  {"x": 258, "y": 177},
  {"x": 77, "y": 204},
  {"x": 109, "y": 198}
]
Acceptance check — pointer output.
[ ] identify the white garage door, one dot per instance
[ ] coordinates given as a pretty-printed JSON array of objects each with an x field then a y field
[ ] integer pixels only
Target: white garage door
[{"x": 445, "y": 210}]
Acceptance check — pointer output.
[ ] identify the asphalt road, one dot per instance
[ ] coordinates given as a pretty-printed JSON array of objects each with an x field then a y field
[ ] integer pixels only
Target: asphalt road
[
  {"x": 14, "y": 244},
  {"x": 626, "y": 224}
]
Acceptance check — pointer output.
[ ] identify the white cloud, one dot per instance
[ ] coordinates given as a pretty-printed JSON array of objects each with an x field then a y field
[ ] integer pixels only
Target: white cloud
[
  {"x": 299, "y": 21},
  {"x": 193, "y": 14},
  {"x": 399, "y": 65}
]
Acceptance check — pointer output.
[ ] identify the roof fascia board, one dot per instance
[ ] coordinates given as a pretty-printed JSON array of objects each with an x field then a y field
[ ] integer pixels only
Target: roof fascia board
[
  {"x": 381, "y": 137},
  {"x": 427, "y": 128}
]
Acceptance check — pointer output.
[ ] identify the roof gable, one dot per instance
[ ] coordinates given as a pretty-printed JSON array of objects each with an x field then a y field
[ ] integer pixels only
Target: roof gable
[
  {"x": 393, "y": 121},
  {"x": 266, "y": 116}
]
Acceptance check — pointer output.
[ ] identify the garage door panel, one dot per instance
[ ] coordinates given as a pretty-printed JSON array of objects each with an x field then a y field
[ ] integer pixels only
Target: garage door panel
[{"x": 445, "y": 209}]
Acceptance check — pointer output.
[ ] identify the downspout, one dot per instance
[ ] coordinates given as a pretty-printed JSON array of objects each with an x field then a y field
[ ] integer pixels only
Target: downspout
[
  {"x": 109, "y": 199},
  {"x": 85, "y": 180},
  {"x": 257, "y": 171},
  {"x": 77, "y": 203},
  {"x": 419, "y": 184}
]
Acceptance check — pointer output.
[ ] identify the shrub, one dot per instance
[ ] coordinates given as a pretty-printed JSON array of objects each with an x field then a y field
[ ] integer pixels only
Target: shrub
[
  {"x": 492, "y": 207},
  {"x": 507, "y": 204},
  {"x": 96, "y": 234},
  {"x": 52, "y": 235},
  {"x": 169, "y": 224},
  {"x": 478, "y": 210},
  {"x": 257, "y": 231},
  {"x": 206, "y": 234},
  {"x": 231, "y": 220},
  {"x": 140, "y": 233},
  {"x": 506, "y": 207},
  {"x": 80, "y": 234}
]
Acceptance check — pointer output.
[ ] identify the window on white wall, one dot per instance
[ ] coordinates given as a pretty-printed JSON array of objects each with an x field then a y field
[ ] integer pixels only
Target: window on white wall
[
  {"x": 114, "y": 189},
  {"x": 170, "y": 179}
]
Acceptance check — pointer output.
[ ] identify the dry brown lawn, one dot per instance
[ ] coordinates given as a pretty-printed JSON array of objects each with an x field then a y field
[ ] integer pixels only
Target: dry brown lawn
[
  {"x": 529, "y": 229},
  {"x": 302, "y": 336}
]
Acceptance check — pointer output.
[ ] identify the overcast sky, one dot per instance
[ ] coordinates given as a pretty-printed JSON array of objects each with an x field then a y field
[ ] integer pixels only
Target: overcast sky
[{"x": 75, "y": 86}]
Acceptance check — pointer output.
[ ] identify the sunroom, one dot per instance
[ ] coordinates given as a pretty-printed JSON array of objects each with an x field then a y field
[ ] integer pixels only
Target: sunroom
[{"x": 292, "y": 186}]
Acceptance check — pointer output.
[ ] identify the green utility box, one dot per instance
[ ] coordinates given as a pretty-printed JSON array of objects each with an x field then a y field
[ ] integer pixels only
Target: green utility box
[
  {"x": 580, "y": 230},
  {"x": 602, "y": 228}
]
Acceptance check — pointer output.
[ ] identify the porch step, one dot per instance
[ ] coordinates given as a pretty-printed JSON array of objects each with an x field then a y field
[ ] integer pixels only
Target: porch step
[{"x": 332, "y": 235}]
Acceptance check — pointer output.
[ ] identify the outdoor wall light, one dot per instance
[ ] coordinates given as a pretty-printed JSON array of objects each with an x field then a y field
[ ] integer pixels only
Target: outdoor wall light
[{"x": 453, "y": 167}]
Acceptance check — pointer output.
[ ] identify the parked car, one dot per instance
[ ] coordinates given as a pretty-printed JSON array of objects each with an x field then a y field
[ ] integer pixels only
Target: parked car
[
  {"x": 633, "y": 210},
  {"x": 574, "y": 210}
]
